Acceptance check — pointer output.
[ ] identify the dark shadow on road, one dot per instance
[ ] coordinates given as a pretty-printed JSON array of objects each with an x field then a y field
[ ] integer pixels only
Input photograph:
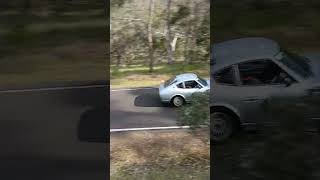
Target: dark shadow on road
[
  {"x": 149, "y": 100},
  {"x": 93, "y": 126}
]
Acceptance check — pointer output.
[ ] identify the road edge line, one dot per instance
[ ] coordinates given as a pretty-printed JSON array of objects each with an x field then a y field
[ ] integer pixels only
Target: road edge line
[
  {"x": 52, "y": 88},
  {"x": 132, "y": 89},
  {"x": 149, "y": 128}
]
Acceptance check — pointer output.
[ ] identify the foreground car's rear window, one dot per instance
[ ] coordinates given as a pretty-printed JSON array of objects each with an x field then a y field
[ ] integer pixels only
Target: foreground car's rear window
[{"x": 169, "y": 82}]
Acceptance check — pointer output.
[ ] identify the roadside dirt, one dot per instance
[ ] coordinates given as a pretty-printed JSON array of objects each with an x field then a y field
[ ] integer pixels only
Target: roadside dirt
[{"x": 142, "y": 154}]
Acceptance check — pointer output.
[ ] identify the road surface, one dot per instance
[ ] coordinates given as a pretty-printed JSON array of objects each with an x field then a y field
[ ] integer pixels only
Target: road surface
[
  {"x": 139, "y": 108},
  {"x": 54, "y": 133},
  {"x": 60, "y": 132}
]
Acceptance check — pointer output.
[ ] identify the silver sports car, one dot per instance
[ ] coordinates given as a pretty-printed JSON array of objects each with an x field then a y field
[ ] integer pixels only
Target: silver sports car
[
  {"x": 179, "y": 89},
  {"x": 248, "y": 71}
]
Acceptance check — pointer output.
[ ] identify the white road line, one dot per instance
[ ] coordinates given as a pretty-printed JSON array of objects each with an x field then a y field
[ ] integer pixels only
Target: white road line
[
  {"x": 70, "y": 87},
  {"x": 149, "y": 128},
  {"x": 132, "y": 89},
  {"x": 52, "y": 89}
]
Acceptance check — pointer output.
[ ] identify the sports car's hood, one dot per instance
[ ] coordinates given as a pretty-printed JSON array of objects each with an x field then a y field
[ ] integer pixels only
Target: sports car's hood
[
  {"x": 313, "y": 83},
  {"x": 208, "y": 81}
]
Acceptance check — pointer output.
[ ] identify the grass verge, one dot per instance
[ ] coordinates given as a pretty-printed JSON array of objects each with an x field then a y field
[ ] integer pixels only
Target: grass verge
[
  {"x": 139, "y": 76},
  {"x": 79, "y": 61}
]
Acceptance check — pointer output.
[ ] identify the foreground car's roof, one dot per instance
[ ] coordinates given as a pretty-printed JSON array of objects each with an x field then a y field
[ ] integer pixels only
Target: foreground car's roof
[{"x": 235, "y": 51}]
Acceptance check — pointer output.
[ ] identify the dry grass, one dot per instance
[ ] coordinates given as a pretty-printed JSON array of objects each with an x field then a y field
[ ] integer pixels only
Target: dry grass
[{"x": 160, "y": 154}]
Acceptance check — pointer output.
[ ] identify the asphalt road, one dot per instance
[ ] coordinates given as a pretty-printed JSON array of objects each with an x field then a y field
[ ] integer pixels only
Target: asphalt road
[
  {"x": 60, "y": 132},
  {"x": 139, "y": 108},
  {"x": 54, "y": 133}
]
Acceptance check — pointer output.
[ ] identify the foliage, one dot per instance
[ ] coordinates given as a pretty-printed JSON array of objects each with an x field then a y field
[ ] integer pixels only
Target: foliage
[
  {"x": 197, "y": 113},
  {"x": 129, "y": 31},
  {"x": 283, "y": 154},
  {"x": 292, "y": 23},
  {"x": 182, "y": 12},
  {"x": 44, "y": 41}
]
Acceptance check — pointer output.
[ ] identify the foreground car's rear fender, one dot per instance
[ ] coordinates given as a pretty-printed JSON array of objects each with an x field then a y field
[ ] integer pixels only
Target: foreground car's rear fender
[{"x": 228, "y": 108}]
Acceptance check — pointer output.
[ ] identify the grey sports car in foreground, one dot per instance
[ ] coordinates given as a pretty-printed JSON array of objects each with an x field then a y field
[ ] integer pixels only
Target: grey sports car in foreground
[
  {"x": 179, "y": 89},
  {"x": 248, "y": 71}
]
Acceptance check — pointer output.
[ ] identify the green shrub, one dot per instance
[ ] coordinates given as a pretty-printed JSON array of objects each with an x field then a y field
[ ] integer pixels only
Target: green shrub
[{"x": 197, "y": 113}]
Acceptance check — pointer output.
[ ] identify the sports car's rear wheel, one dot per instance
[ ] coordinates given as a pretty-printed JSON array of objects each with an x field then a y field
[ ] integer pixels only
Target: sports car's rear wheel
[
  {"x": 222, "y": 126},
  {"x": 177, "y": 101}
]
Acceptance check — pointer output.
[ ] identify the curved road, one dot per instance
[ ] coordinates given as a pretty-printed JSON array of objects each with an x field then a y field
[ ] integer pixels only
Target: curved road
[{"x": 139, "y": 108}]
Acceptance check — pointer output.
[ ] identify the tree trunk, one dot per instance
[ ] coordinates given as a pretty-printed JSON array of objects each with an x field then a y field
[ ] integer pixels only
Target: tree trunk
[
  {"x": 150, "y": 34},
  {"x": 193, "y": 40},
  {"x": 118, "y": 58},
  {"x": 107, "y": 9},
  {"x": 174, "y": 43},
  {"x": 187, "y": 35},
  {"x": 168, "y": 34},
  {"x": 186, "y": 46}
]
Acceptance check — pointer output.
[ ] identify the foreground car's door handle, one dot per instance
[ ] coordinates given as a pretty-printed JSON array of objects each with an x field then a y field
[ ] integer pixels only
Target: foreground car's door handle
[{"x": 252, "y": 99}]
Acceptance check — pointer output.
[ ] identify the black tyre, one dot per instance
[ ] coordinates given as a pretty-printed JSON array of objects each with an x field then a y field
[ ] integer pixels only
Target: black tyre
[
  {"x": 222, "y": 125},
  {"x": 177, "y": 101}
]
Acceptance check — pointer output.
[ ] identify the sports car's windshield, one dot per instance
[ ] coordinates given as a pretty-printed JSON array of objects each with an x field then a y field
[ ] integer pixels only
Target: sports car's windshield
[
  {"x": 296, "y": 63},
  {"x": 203, "y": 82}
]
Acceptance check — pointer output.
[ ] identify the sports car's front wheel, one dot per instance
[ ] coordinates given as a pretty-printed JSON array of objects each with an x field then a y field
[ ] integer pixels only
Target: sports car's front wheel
[
  {"x": 177, "y": 101},
  {"x": 222, "y": 126}
]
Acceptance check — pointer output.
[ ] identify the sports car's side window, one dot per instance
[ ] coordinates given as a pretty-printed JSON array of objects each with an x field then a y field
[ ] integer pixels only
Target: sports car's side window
[
  {"x": 180, "y": 85},
  {"x": 192, "y": 84},
  {"x": 261, "y": 72},
  {"x": 225, "y": 76}
]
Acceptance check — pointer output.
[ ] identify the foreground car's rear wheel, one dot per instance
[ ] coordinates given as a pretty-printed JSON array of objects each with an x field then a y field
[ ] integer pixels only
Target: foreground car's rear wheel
[
  {"x": 222, "y": 126},
  {"x": 177, "y": 101}
]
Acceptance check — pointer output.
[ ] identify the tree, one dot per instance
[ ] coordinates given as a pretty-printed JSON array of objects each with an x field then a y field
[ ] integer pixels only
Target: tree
[
  {"x": 168, "y": 34},
  {"x": 158, "y": 36},
  {"x": 150, "y": 35}
]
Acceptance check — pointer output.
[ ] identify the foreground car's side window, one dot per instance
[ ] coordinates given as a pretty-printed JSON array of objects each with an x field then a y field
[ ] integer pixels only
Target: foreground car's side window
[
  {"x": 225, "y": 76},
  {"x": 261, "y": 72}
]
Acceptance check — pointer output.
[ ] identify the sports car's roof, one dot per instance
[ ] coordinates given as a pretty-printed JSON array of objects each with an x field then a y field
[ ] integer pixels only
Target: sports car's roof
[{"x": 186, "y": 76}]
